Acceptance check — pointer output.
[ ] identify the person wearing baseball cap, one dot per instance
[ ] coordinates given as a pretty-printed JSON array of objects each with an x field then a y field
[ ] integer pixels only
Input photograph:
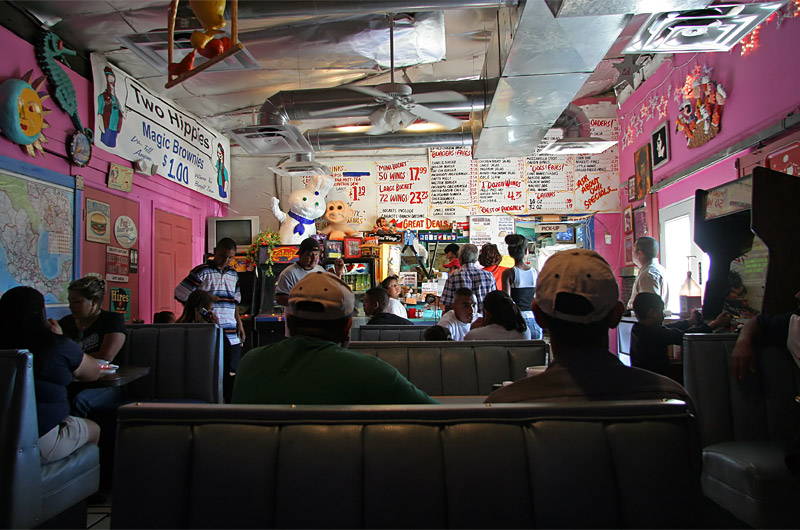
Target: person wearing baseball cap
[
  {"x": 577, "y": 300},
  {"x": 313, "y": 366},
  {"x": 307, "y": 262}
]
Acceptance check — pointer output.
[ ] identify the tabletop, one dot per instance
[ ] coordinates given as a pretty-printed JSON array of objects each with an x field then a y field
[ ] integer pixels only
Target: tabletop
[{"x": 123, "y": 376}]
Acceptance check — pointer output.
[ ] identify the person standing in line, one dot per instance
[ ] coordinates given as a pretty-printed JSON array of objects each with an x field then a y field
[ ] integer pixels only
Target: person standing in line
[
  {"x": 307, "y": 262},
  {"x": 468, "y": 276},
  {"x": 218, "y": 278},
  {"x": 519, "y": 281},
  {"x": 652, "y": 277},
  {"x": 490, "y": 259}
]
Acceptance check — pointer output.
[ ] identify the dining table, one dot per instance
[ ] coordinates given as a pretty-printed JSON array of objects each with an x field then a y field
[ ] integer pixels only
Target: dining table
[{"x": 120, "y": 377}]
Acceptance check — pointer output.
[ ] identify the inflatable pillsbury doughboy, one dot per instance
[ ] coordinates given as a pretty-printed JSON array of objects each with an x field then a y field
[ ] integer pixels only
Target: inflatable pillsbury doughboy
[{"x": 305, "y": 205}]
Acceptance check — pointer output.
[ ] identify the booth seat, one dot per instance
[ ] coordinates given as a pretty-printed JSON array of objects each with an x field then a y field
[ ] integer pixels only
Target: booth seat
[
  {"x": 185, "y": 360},
  {"x": 32, "y": 493},
  {"x": 458, "y": 368},
  {"x": 570, "y": 465},
  {"x": 744, "y": 428},
  {"x": 387, "y": 333}
]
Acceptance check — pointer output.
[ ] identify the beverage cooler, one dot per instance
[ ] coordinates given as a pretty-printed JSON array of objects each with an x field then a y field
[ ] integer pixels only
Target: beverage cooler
[{"x": 359, "y": 274}]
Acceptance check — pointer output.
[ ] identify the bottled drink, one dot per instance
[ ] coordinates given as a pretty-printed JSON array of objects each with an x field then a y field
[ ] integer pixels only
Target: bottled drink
[{"x": 690, "y": 296}]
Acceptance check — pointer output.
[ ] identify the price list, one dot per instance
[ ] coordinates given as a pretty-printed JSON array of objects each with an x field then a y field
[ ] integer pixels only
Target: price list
[
  {"x": 502, "y": 186},
  {"x": 453, "y": 181},
  {"x": 354, "y": 183},
  {"x": 403, "y": 188}
]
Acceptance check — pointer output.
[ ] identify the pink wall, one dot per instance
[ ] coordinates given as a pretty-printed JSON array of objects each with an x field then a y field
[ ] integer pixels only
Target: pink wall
[{"x": 149, "y": 192}]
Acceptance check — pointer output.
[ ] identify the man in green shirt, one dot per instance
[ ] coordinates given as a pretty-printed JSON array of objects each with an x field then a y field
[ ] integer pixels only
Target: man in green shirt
[{"x": 312, "y": 367}]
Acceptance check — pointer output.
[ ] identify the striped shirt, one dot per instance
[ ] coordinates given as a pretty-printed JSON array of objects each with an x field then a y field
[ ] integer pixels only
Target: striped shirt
[{"x": 222, "y": 283}]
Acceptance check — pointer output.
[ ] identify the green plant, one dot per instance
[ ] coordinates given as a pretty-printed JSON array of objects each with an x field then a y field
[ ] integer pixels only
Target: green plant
[{"x": 265, "y": 238}]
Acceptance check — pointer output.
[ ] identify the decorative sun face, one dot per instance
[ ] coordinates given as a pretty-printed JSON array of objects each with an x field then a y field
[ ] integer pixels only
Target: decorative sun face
[{"x": 22, "y": 114}]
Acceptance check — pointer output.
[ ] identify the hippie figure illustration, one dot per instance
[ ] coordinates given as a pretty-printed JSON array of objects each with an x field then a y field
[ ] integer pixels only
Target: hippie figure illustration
[
  {"x": 222, "y": 174},
  {"x": 110, "y": 110}
]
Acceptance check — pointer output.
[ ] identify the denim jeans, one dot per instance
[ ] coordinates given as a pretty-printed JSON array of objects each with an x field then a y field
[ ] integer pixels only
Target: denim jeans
[
  {"x": 95, "y": 399},
  {"x": 536, "y": 331}
]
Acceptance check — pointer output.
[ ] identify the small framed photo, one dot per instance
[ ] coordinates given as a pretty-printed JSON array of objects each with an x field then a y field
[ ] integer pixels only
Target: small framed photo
[
  {"x": 631, "y": 189},
  {"x": 333, "y": 249},
  {"x": 627, "y": 214},
  {"x": 643, "y": 171},
  {"x": 629, "y": 249},
  {"x": 352, "y": 247},
  {"x": 639, "y": 222},
  {"x": 660, "y": 145}
]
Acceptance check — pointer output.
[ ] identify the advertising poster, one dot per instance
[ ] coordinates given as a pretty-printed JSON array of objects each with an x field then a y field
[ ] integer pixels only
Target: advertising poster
[
  {"x": 137, "y": 124},
  {"x": 98, "y": 219},
  {"x": 121, "y": 302},
  {"x": 117, "y": 265}
]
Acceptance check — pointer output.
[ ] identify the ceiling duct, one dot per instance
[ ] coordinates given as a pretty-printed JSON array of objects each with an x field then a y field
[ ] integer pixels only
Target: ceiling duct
[
  {"x": 577, "y": 139},
  {"x": 300, "y": 165}
]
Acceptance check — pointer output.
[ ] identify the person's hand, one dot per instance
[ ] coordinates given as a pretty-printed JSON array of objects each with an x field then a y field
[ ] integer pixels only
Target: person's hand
[
  {"x": 338, "y": 266},
  {"x": 478, "y": 323},
  {"x": 722, "y": 321},
  {"x": 53, "y": 326},
  {"x": 696, "y": 318},
  {"x": 742, "y": 358},
  {"x": 239, "y": 330}
]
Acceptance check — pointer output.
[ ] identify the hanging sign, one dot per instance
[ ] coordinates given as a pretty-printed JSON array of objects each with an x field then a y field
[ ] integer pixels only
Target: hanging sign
[
  {"x": 98, "y": 216},
  {"x": 137, "y": 124},
  {"x": 120, "y": 177},
  {"x": 403, "y": 188},
  {"x": 121, "y": 302},
  {"x": 125, "y": 231},
  {"x": 117, "y": 264}
]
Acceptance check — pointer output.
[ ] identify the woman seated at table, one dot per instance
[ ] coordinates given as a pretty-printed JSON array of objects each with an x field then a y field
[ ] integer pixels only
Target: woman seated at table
[
  {"x": 56, "y": 361},
  {"x": 392, "y": 287},
  {"x": 98, "y": 332},
  {"x": 502, "y": 320}
]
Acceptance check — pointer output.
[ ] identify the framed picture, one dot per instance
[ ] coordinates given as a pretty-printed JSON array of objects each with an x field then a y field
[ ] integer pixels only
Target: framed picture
[
  {"x": 631, "y": 189},
  {"x": 333, "y": 249},
  {"x": 627, "y": 214},
  {"x": 639, "y": 222},
  {"x": 352, "y": 247},
  {"x": 98, "y": 217},
  {"x": 643, "y": 172},
  {"x": 629, "y": 249},
  {"x": 659, "y": 145}
]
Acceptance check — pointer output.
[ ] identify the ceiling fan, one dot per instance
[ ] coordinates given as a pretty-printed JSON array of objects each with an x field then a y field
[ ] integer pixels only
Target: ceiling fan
[{"x": 399, "y": 106}]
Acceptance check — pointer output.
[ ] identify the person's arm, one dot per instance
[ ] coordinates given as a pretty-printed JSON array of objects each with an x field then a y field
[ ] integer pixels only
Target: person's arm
[
  {"x": 88, "y": 370},
  {"x": 283, "y": 286},
  {"x": 110, "y": 347},
  {"x": 338, "y": 267},
  {"x": 187, "y": 286},
  {"x": 742, "y": 356},
  {"x": 239, "y": 325},
  {"x": 508, "y": 280}
]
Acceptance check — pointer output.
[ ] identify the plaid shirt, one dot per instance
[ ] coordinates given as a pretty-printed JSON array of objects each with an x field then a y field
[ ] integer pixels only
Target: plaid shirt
[{"x": 481, "y": 283}]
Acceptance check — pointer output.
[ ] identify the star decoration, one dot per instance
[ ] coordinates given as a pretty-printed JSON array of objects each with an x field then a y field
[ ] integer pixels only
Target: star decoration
[
  {"x": 628, "y": 138},
  {"x": 707, "y": 70},
  {"x": 627, "y": 69},
  {"x": 644, "y": 110},
  {"x": 653, "y": 105},
  {"x": 637, "y": 123},
  {"x": 677, "y": 95},
  {"x": 662, "y": 107}
]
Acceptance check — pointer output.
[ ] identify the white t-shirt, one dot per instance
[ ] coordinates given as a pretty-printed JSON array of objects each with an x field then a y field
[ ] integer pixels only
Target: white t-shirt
[
  {"x": 497, "y": 332},
  {"x": 396, "y": 307},
  {"x": 291, "y": 275},
  {"x": 457, "y": 328},
  {"x": 651, "y": 279}
]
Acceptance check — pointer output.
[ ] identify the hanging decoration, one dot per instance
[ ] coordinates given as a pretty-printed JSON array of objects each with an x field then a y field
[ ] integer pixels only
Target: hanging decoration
[
  {"x": 22, "y": 116},
  {"x": 751, "y": 41},
  {"x": 700, "y": 113},
  {"x": 627, "y": 69},
  {"x": 49, "y": 48}
]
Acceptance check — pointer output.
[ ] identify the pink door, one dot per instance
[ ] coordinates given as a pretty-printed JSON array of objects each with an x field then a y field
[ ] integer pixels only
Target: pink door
[{"x": 172, "y": 258}]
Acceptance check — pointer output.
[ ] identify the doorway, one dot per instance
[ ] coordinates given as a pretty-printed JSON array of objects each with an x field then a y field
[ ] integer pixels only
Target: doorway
[
  {"x": 679, "y": 253},
  {"x": 172, "y": 258}
]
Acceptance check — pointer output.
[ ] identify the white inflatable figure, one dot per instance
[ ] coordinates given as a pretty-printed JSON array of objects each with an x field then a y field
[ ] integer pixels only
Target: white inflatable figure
[{"x": 305, "y": 205}]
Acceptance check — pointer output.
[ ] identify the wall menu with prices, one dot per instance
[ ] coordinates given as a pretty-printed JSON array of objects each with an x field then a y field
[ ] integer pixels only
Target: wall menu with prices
[{"x": 423, "y": 194}]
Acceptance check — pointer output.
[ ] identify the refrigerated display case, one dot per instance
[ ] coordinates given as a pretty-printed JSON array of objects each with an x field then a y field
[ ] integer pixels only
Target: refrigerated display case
[
  {"x": 359, "y": 274},
  {"x": 389, "y": 261}
]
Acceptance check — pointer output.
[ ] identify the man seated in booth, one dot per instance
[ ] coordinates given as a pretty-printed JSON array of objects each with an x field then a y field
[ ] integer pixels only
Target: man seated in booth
[
  {"x": 577, "y": 299},
  {"x": 313, "y": 366},
  {"x": 376, "y": 305},
  {"x": 458, "y": 320}
]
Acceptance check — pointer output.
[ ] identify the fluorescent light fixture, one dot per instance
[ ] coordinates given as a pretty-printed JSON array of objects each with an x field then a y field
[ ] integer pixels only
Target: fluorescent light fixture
[
  {"x": 578, "y": 146},
  {"x": 717, "y": 28},
  {"x": 152, "y": 47},
  {"x": 353, "y": 128}
]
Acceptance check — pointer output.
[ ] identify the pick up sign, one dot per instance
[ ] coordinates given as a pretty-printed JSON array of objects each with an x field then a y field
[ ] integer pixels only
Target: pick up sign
[{"x": 544, "y": 229}]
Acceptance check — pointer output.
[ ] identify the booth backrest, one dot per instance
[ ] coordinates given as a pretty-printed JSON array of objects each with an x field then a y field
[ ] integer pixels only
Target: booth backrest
[
  {"x": 458, "y": 368},
  {"x": 594, "y": 464},
  {"x": 20, "y": 478},
  {"x": 759, "y": 407},
  {"x": 387, "y": 333},
  {"x": 185, "y": 361}
]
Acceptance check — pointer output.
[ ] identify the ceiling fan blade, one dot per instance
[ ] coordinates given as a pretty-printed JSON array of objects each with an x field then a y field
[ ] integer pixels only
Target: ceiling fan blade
[
  {"x": 370, "y": 91},
  {"x": 339, "y": 110},
  {"x": 434, "y": 116},
  {"x": 375, "y": 131},
  {"x": 442, "y": 96}
]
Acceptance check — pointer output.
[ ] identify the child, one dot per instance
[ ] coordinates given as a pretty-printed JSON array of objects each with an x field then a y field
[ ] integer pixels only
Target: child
[{"x": 650, "y": 338}]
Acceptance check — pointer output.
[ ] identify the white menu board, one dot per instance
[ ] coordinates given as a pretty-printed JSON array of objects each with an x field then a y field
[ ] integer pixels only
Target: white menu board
[
  {"x": 502, "y": 185},
  {"x": 454, "y": 181},
  {"x": 403, "y": 188},
  {"x": 490, "y": 229}
]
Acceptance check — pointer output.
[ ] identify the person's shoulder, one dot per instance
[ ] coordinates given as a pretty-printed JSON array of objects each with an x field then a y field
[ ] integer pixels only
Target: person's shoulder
[
  {"x": 65, "y": 346},
  {"x": 201, "y": 269}
]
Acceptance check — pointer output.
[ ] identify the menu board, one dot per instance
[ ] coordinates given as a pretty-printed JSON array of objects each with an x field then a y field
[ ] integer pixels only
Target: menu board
[
  {"x": 490, "y": 229},
  {"x": 403, "y": 188},
  {"x": 502, "y": 185},
  {"x": 354, "y": 184},
  {"x": 453, "y": 180},
  {"x": 551, "y": 183}
]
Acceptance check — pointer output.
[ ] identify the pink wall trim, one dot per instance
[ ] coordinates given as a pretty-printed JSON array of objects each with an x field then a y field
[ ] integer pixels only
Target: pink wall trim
[{"x": 149, "y": 192}]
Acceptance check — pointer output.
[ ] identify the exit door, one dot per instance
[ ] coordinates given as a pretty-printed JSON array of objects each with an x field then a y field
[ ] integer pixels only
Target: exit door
[{"x": 172, "y": 258}]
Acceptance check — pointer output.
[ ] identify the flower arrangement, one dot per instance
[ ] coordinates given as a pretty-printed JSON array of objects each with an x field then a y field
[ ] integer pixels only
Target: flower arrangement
[{"x": 265, "y": 238}]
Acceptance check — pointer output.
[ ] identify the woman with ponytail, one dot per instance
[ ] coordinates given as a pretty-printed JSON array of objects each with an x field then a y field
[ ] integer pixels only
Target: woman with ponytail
[
  {"x": 519, "y": 281},
  {"x": 502, "y": 320}
]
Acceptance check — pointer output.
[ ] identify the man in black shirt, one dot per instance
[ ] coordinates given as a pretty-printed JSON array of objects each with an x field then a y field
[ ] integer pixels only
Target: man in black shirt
[{"x": 376, "y": 301}]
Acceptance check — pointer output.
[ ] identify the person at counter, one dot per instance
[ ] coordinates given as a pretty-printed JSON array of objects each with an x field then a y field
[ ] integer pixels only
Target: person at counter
[
  {"x": 577, "y": 300},
  {"x": 519, "y": 281},
  {"x": 450, "y": 261},
  {"x": 459, "y": 319},
  {"x": 307, "y": 262},
  {"x": 652, "y": 277},
  {"x": 468, "y": 276},
  {"x": 376, "y": 305},
  {"x": 56, "y": 360},
  {"x": 490, "y": 258},
  {"x": 313, "y": 366}
]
